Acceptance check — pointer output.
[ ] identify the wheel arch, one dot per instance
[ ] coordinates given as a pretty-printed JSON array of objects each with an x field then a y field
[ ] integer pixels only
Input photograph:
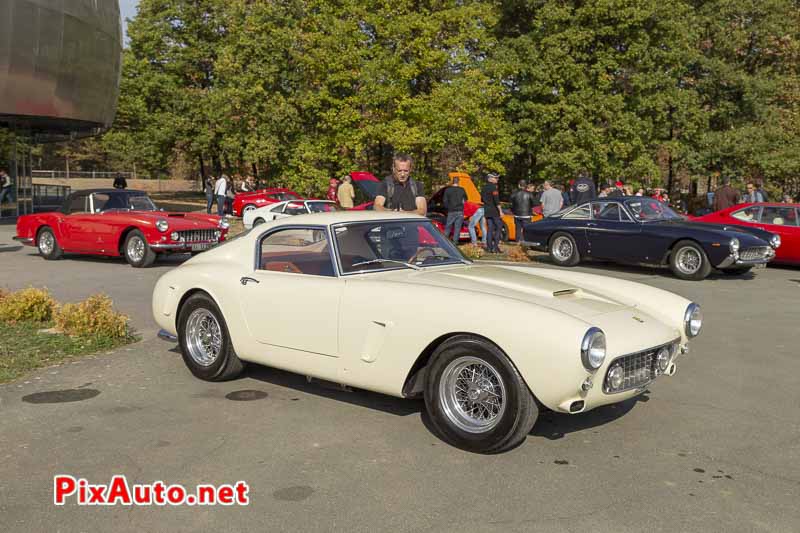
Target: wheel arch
[
  {"x": 123, "y": 236},
  {"x": 414, "y": 384}
]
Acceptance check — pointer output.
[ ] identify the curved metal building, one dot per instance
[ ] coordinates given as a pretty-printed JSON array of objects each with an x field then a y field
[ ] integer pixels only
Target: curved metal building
[{"x": 60, "y": 63}]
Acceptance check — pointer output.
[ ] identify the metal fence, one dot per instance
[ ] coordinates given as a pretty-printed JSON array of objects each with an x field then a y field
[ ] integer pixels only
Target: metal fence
[{"x": 80, "y": 174}]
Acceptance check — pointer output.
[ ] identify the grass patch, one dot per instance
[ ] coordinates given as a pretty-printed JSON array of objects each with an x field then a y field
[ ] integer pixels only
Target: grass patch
[{"x": 24, "y": 348}]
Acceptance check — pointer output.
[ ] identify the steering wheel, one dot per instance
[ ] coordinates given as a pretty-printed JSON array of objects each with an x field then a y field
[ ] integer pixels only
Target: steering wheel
[{"x": 419, "y": 255}]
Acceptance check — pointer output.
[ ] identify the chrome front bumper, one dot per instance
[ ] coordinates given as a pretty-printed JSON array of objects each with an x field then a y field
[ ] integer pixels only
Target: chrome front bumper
[
  {"x": 183, "y": 246},
  {"x": 23, "y": 240},
  {"x": 735, "y": 260}
]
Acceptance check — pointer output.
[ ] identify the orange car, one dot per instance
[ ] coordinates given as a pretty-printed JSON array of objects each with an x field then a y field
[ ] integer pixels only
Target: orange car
[{"x": 436, "y": 205}]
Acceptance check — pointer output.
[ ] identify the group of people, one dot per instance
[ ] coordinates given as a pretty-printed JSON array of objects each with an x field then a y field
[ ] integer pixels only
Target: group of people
[
  {"x": 727, "y": 196},
  {"x": 223, "y": 190}
]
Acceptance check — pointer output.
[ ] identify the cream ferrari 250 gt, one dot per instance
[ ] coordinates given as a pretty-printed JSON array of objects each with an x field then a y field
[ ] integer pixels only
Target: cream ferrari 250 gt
[{"x": 384, "y": 302}]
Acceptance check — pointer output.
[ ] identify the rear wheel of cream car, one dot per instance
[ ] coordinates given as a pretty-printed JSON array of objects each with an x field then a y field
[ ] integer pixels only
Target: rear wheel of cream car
[
  {"x": 564, "y": 250},
  {"x": 476, "y": 398},
  {"x": 205, "y": 342}
]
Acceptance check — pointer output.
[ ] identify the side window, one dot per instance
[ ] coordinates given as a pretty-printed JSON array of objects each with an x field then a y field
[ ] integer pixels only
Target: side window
[
  {"x": 779, "y": 216},
  {"x": 278, "y": 208},
  {"x": 606, "y": 211},
  {"x": 295, "y": 208},
  {"x": 79, "y": 204},
  {"x": 298, "y": 251},
  {"x": 579, "y": 213},
  {"x": 748, "y": 214},
  {"x": 100, "y": 202}
]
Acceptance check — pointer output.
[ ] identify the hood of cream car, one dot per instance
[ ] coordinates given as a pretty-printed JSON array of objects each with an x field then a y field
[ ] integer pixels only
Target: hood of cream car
[{"x": 533, "y": 287}]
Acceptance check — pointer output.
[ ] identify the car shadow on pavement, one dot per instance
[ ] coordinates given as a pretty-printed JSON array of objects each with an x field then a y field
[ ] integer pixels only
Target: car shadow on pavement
[
  {"x": 643, "y": 270},
  {"x": 10, "y": 248},
  {"x": 554, "y": 426},
  {"x": 165, "y": 260},
  {"x": 333, "y": 391}
]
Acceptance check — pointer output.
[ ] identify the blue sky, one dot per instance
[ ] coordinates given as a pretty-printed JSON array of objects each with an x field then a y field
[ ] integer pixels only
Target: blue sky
[{"x": 128, "y": 9}]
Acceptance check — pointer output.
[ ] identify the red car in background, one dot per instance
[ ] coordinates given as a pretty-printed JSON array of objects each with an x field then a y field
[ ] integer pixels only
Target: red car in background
[
  {"x": 780, "y": 219},
  {"x": 245, "y": 201},
  {"x": 118, "y": 222}
]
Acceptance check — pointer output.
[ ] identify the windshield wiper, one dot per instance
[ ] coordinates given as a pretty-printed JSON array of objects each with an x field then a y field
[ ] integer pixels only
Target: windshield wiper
[
  {"x": 375, "y": 261},
  {"x": 440, "y": 256}
]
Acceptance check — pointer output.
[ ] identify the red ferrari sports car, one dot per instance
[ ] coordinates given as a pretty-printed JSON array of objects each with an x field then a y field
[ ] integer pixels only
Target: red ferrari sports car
[
  {"x": 780, "y": 219},
  {"x": 113, "y": 222},
  {"x": 245, "y": 201}
]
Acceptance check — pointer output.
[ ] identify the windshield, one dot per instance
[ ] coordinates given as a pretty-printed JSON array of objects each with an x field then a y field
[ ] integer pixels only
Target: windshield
[
  {"x": 323, "y": 207},
  {"x": 382, "y": 245},
  {"x": 649, "y": 210},
  {"x": 142, "y": 203}
]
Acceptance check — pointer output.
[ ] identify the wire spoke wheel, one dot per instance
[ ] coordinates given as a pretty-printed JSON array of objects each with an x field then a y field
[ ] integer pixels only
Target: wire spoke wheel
[
  {"x": 688, "y": 260},
  {"x": 46, "y": 243},
  {"x": 472, "y": 394},
  {"x": 562, "y": 248},
  {"x": 135, "y": 249},
  {"x": 203, "y": 337}
]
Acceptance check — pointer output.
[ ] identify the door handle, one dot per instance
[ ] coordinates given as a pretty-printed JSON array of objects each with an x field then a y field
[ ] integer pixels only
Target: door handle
[
  {"x": 245, "y": 279},
  {"x": 591, "y": 225}
]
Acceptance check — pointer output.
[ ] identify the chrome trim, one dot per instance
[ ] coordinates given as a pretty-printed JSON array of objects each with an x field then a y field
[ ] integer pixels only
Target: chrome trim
[
  {"x": 585, "y": 349},
  {"x": 674, "y": 343},
  {"x": 165, "y": 335},
  {"x": 687, "y": 315},
  {"x": 180, "y": 245}
]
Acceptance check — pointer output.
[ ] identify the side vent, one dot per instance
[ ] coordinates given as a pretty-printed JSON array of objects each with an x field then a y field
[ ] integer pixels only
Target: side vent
[{"x": 565, "y": 292}]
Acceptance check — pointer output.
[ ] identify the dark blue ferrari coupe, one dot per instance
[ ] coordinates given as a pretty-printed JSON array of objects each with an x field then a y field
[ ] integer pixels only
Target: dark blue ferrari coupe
[{"x": 641, "y": 230}]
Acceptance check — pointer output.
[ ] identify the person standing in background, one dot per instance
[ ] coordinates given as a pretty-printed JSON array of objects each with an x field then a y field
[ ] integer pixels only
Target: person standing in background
[
  {"x": 454, "y": 198},
  {"x": 209, "y": 186},
  {"x": 726, "y": 196},
  {"x": 552, "y": 201},
  {"x": 490, "y": 196},
  {"x": 521, "y": 207},
  {"x": 220, "y": 188},
  {"x": 346, "y": 193},
  {"x": 333, "y": 186},
  {"x": 583, "y": 190}
]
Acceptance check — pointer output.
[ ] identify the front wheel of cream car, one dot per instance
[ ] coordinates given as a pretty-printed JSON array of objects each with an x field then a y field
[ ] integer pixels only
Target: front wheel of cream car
[
  {"x": 205, "y": 342},
  {"x": 476, "y": 398}
]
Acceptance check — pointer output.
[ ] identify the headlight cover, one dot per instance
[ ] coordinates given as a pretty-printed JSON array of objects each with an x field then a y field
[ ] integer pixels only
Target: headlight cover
[
  {"x": 775, "y": 241},
  {"x": 223, "y": 224},
  {"x": 162, "y": 225},
  {"x": 593, "y": 349},
  {"x": 734, "y": 245},
  {"x": 693, "y": 320}
]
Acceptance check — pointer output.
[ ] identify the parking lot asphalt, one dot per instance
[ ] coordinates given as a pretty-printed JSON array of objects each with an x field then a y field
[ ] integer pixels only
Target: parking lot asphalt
[{"x": 714, "y": 448}]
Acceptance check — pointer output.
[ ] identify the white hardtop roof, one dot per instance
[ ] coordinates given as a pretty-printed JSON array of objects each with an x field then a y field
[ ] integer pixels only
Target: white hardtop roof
[{"x": 339, "y": 217}]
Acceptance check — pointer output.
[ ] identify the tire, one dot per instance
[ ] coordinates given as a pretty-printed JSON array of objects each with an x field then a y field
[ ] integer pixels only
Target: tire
[
  {"x": 513, "y": 418},
  {"x": 137, "y": 252},
  {"x": 215, "y": 362},
  {"x": 504, "y": 233},
  {"x": 47, "y": 244},
  {"x": 564, "y": 250},
  {"x": 736, "y": 271},
  {"x": 248, "y": 208},
  {"x": 258, "y": 221},
  {"x": 688, "y": 261}
]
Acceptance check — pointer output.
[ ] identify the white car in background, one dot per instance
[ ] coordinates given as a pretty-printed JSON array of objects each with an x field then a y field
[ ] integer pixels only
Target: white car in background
[
  {"x": 384, "y": 302},
  {"x": 288, "y": 208}
]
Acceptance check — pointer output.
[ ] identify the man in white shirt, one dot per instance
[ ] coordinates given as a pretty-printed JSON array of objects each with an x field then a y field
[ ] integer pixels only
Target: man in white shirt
[{"x": 220, "y": 188}]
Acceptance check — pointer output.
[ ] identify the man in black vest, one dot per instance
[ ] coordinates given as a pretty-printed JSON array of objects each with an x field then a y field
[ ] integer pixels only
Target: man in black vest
[
  {"x": 400, "y": 192},
  {"x": 522, "y": 207},
  {"x": 490, "y": 196}
]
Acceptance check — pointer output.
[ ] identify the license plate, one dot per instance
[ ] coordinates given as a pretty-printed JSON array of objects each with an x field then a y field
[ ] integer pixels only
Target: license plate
[
  {"x": 201, "y": 247},
  {"x": 762, "y": 265}
]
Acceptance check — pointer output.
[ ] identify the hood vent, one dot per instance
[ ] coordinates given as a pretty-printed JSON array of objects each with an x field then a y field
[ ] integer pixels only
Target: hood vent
[{"x": 565, "y": 292}]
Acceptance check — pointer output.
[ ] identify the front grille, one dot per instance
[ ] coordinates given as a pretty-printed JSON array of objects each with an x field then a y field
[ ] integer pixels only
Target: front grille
[
  {"x": 755, "y": 253},
  {"x": 639, "y": 369},
  {"x": 198, "y": 235}
]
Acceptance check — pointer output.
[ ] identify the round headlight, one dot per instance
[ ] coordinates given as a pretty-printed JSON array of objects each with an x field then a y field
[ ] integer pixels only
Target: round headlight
[
  {"x": 693, "y": 320},
  {"x": 775, "y": 241},
  {"x": 593, "y": 349},
  {"x": 162, "y": 225},
  {"x": 616, "y": 377},
  {"x": 734, "y": 245},
  {"x": 662, "y": 359},
  {"x": 175, "y": 236},
  {"x": 223, "y": 224}
]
